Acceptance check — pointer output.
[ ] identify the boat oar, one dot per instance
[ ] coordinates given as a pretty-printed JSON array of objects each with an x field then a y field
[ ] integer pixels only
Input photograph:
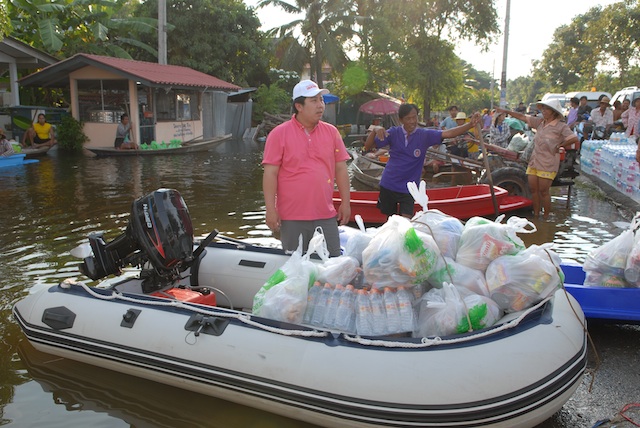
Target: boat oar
[{"x": 485, "y": 159}]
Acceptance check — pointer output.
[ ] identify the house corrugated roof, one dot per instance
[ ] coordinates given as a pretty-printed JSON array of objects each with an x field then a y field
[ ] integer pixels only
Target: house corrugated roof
[{"x": 147, "y": 73}]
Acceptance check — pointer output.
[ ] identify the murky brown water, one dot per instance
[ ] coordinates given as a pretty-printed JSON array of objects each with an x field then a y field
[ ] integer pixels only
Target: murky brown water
[{"x": 50, "y": 207}]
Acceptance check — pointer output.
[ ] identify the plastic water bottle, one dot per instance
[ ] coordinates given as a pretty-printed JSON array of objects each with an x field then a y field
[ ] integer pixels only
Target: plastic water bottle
[
  {"x": 391, "y": 310},
  {"x": 321, "y": 306},
  {"x": 312, "y": 299},
  {"x": 405, "y": 308},
  {"x": 346, "y": 315},
  {"x": 332, "y": 306},
  {"x": 363, "y": 314},
  {"x": 378, "y": 314}
]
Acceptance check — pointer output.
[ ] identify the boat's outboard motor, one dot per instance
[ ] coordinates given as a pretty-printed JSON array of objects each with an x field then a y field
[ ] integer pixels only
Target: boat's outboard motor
[{"x": 159, "y": 232}]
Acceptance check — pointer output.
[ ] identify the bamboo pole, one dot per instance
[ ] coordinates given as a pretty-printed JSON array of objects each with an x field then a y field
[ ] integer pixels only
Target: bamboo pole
[{"x": 485, "y": 159}]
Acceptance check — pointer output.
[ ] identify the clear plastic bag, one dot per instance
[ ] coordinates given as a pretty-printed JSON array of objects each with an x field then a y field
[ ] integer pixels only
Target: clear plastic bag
[
  {"x": 444, "y": 229},
  {"x": 632, "y": 265},
  {"x": 440, "y": 311},
  {"x": 338, "y": 270},
  {"x": 356, "y": 239},
  {"x": 611, "y": 257},
  {"x": 399, "y": 255},
  {"x": 611, "y": 263},
  {"x": 448, "y": 270},
  {"x": 483, "y": 241},
  {"x": 284, "y": 296},
  {"x": 517, "y": 282},
  {"x": 451, "y": 310}
]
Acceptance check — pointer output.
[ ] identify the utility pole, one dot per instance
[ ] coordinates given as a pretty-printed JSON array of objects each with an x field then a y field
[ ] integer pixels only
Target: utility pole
[
  {"x": 503, "y": 80},
  {"x": 162, "y": 32}
]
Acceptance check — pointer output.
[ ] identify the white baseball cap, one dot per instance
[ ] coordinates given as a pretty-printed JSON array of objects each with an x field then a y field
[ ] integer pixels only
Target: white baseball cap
[{"x": 307, "y": 88}]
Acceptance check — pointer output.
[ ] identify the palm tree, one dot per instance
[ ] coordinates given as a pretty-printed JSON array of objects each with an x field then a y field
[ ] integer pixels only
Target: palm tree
[{"x": 319, "y": 37}]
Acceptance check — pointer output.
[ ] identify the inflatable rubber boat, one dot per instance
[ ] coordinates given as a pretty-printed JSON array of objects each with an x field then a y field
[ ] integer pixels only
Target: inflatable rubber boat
[{"x": 185, "y": 320}]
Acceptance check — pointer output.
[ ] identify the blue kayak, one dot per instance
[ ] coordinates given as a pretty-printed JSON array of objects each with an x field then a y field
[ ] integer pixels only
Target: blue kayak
[
  {"x": 14, "y": 160},
  {"x": 621, "y": 305}
]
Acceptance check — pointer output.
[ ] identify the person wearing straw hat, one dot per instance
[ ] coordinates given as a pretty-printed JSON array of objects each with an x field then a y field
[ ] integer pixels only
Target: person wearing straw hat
[
  {"x": 552, "y": 134},
  {"x": 603, "y": 116},
  {"x": 473, "y": 150},
  {"x": 6, "y": 148}
]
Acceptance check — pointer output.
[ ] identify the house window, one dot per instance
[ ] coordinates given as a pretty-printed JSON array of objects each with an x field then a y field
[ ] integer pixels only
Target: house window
[
  {"x": 177, "y": 105},
  {"x": 102, "y": 100}
]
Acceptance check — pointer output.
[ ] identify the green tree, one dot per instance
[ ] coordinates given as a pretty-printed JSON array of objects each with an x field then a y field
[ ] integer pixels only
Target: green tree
[
  {"x": 217, "y": 37},
  {"x": 416, "y": 53},
  {"x": 572, "y": 54},
  {"x": 270, "y": 99},
  {"x": 319, "y": 37},
  {"x": 527, "y": 89},
  {"x": 5, "y": 23},
  {"x": 431, "y": 71},
  {"x": 619, "y": 26},
  {"x": 66, "y": 27}
]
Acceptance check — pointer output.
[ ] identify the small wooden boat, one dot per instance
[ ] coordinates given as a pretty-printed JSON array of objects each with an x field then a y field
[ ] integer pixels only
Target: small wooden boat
[
  {"x": 366, "y": 170},
  {"x": 189, "y": 329},
  {"x": 620, "y": 305},
  {"x": 462, "y": 202},
  {"x": 32, "y": 152},
  {"x": 15, "y": 160},
  {"x": 188, "y": 147}
]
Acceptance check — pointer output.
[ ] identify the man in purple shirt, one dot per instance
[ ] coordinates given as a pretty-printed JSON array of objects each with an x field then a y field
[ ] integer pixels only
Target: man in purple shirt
[{"x": 408, "y": 146}]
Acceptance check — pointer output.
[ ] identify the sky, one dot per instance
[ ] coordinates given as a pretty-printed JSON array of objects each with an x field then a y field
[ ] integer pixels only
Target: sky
[{"x": 531, "y": 29}]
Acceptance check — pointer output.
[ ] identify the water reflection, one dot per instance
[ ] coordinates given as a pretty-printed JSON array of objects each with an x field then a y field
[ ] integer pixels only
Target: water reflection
[
  {"x": 50, "y": 207},
  {"x": 88, "y": 395}
]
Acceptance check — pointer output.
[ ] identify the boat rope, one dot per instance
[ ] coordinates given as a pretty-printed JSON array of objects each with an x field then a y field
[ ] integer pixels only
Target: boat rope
[
  {"x": 427, "y": 342},
  {"x": 247, "y": 319},
  {"x": 242, "y": 317},
  {"x": 581, "y": 320}
]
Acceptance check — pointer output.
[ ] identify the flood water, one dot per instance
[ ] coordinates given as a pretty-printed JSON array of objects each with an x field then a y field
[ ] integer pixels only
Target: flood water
[{"x": 50, "y": 207}]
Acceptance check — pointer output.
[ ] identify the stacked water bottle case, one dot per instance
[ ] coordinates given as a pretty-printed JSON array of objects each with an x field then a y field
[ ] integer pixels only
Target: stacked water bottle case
[
  {"x": 370, "y": 312},
  {"x": 614, "y": 162}
]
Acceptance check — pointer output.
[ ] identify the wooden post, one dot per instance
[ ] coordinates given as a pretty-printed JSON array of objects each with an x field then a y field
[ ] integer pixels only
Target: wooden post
[{"x": 485, "y": 159}]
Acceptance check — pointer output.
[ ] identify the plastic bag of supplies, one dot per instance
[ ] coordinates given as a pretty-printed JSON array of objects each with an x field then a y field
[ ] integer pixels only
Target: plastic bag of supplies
[
  {"x": 444, "y": 229},
  {"x": 519, "y": 281},
  {"x": 284, "y": 296},
  {"x": 399, "y": 255},
  {"x": 356, "y": 239},
  {"x": 448, "y": 311},
  {"x": 448, "y": 270},
  {"x": 606, "y": 266},
  {"x": 483, "y": 241}
]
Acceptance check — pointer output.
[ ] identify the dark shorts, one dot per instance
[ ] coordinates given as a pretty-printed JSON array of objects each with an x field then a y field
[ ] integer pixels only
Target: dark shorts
[
  {"x": 38, "y": 140},
  {"x": 290, "y": 231},
  {"x": 118, "y": 142},
  {"x": 389, "y": 200}
]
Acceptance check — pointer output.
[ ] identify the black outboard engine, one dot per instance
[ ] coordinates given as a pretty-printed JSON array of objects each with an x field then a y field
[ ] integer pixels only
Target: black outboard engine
[{"x": 159, "y": 232}]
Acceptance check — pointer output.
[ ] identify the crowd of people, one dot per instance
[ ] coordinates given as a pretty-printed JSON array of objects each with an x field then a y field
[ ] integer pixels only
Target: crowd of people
[{"x": 305, "y": 157}]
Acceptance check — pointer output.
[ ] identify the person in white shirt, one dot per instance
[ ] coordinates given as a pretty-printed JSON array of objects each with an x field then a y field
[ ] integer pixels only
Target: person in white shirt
[{"x": 603, "y": 116}]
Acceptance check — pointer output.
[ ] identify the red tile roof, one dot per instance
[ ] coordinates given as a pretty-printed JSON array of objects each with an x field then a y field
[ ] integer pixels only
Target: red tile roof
[{"x": 149, "y": 73}]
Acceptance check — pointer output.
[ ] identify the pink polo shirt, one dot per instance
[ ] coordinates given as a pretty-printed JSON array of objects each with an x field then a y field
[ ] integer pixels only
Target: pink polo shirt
[{"x": 307, "y": 168}]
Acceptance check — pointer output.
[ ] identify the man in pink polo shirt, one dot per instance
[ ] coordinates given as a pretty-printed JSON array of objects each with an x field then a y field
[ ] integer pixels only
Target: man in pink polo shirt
[{"x": 303, "y": 159}]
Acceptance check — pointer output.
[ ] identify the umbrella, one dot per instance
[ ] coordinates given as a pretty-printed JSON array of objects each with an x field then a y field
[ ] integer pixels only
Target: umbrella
[{"x": 380, "y": 107}]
